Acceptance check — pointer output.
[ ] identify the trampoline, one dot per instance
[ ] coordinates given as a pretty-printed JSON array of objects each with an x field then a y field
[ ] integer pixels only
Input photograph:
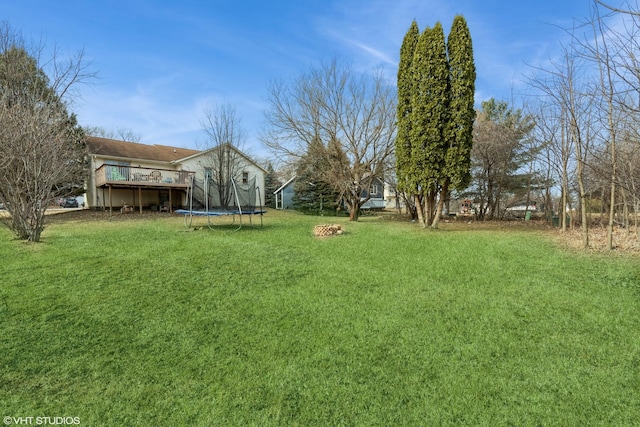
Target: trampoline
[{"x": 240, "y": 201}]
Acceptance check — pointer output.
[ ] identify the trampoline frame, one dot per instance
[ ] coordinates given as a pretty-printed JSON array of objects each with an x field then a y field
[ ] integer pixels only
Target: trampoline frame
[{"x": 190, "y": 213}]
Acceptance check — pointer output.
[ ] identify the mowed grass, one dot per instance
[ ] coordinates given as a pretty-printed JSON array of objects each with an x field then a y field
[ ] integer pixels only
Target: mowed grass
[{"x": 138, "y": 322}]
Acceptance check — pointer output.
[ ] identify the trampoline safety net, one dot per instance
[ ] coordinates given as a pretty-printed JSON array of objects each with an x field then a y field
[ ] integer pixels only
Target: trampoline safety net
[{"x": 225, "y": 196}]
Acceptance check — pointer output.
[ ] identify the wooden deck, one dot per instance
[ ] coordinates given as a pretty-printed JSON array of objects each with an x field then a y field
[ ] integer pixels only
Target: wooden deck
[
  {"x": 138, "y": 178},
  {"x": 127, "y": 177}
]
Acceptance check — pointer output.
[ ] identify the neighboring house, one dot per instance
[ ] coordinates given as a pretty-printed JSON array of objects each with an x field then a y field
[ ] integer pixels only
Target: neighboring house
[
  {"x": 151, "y": 176},
  {"x": 523, "y": 210},
  {"x": 284, "y": 195},
  {"x": 375, "y": 194},
  {"x": 523, "y": 207},
  {"x": 392, "y": 197},
  {"x": 246, "y": 172}
]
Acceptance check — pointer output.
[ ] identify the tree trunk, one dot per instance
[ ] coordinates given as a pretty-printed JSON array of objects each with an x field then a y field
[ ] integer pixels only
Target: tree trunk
[
  {"x": 488, "y": 207},
  {"x": 612, "y": 196},
  {"x": 354, "y": 209},
  {"x": 583, "y": 206},
  {"x": 626, "y": 213},
  {"x": 443, "y": 195},
  {"x": 431, "y": 206},
  {"x": 565, "y": 174},
  {"x": 563, "y": 210},
  {"x": 419, "y": 201},
  {"x": 636, "y": 208}
]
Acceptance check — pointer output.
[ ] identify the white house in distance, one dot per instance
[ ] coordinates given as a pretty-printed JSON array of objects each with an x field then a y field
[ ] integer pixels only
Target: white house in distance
[{"x": 153, "y": 176}]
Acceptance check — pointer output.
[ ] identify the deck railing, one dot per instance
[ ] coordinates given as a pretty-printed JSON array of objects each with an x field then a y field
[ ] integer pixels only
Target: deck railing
[{"x": 137, "y": 176}]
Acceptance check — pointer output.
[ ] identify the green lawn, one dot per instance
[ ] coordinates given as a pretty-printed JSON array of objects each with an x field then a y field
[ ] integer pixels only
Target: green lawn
[{"x": 138, "y": 322}]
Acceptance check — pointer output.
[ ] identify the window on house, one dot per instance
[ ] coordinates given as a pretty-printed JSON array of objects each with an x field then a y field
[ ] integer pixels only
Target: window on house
[
  {"x": 375, "y": 189},
  {"x": 245, "y": 177},
  {"x": 208, "y": 173}
]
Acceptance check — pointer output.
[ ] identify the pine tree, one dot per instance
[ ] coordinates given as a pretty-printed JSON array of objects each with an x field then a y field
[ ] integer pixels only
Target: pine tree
[
  {"x": 313, "y": 193},
  {"x": 271, "y": 184}
]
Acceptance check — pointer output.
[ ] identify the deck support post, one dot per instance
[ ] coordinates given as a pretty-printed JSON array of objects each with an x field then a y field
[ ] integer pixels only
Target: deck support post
[{"x": 110, "y": 201}]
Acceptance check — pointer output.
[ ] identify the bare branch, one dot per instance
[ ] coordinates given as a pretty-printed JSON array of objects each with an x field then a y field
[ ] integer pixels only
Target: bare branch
[
  {"x": 345, "y": 119},
  {"x": 616, "y": 9},
  {"x": 41, "y": 146}
]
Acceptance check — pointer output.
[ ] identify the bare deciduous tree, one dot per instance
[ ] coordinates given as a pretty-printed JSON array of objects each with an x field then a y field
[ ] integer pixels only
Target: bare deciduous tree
[
  {"x": 570, "y": 94},
  {"x": 348, "y": 118},
  {"x": 612, "y": 48},
  {"x": 601, "y": 54},
  {"x": 123, "y": 134},
  {"x": 222, "y": 161},
  {"x": 41, "y": 146},
  {"x": 629, "y": 170},
  {"x": 555, "y": 157}
]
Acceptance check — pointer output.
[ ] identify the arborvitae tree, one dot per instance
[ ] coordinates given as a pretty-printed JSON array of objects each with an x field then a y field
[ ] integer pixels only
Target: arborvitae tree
[
  {"x": 459, "y": 131},
  {"x": 435, "y": 115},
  {"x": 429, "y": 116},
  {"x": 405, "y": 171},
  {"x": 461, "y": 103}
]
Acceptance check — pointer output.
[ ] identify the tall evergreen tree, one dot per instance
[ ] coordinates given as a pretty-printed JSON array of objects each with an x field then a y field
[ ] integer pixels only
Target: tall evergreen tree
[
  {"x": 404, "y": 168},
  {"x": 429, "y": 115},
  {"x": 435, "y": 115},
  {"x": 461, "y": 103},
  {"x": 271, "y": 184},
  {"x": 313, "y": 191},
  {"x": 461, "y": 112}
]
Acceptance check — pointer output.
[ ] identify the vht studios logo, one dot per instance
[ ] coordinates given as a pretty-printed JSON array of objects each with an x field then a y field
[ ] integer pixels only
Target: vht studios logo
[{"x": 42, "y": 421}]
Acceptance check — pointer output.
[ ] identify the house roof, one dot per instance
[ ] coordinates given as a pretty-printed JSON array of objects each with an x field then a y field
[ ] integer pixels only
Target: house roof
[
  {"x": 240, "y": 153},
  {"x": 132, "y": 150},
  {"x": 283, "y": 186}
]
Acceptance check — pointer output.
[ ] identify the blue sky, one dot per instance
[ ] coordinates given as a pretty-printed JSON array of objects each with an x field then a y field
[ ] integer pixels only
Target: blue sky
[{"x": 161, "y": 63}]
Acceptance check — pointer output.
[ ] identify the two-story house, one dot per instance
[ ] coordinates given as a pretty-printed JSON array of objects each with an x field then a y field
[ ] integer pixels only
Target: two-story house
[{"x": 155, "y": 176}]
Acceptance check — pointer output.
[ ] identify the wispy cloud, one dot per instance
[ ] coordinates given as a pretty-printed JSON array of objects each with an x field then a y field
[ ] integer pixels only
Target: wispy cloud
[
  {"x": 162, "y": 62},
  {"x": 369, "y": 50}
]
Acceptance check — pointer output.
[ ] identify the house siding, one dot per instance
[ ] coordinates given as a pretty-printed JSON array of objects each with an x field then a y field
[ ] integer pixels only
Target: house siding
[
  {"x": 284, "y": 195},
  {"x": 198, "y": 165},
  {"x": 162, "y": 158},
  {"x": 375, "y": 194}
]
